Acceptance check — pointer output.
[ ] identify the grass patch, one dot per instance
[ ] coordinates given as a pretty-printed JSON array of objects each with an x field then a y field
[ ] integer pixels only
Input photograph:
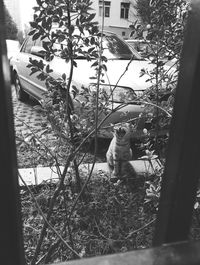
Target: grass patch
[{"x": 110, "y": 218}]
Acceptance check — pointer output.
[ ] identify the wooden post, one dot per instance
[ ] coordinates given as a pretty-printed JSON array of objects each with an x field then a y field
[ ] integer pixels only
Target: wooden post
[
  {"x": 182, "y": 170},
  {"x": 11, "y": 246}
]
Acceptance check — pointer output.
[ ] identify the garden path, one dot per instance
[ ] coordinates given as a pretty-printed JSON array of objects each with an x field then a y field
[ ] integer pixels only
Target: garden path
[{"x": 26, "y": 115}]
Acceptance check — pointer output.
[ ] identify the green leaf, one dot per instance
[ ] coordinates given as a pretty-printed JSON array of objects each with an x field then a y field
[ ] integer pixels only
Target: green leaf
[
  {"x": 29, "y": 65},
  {"x": 45, "y": 45},
  {"x": 74, "y": 91},
  {"x": 64, "y": 77},
  {"x": 32, "y": 32},
  {"x": 81, "y": 29},
  {"x": 39, "y": 2},
  {"x": 36, "y": 36},
  {"x": 91, "y": 49},
  {"x": 42, "y": 76},
  {"x": 77, "y": 23},
  {"x": 60, "y": 11},
  {"x": 104, "y": 67},
  {"x": 36, "y": 8},
  {"x": 103, "y": 58},
  {"x": 92, "y": 41},
  {"x": 90, "y": 17},
  {"x": 95, "y": 64},
  {"x": 95, "y": 30},
  {"x": 71, "y": 29},
  {"x": 33, "y": 24},
  {"x": 48, "y": 70},
  {"x": 75, "y": 63},
  {"x": 45, "y": 24},
  {"x": 33, "y": 71}
]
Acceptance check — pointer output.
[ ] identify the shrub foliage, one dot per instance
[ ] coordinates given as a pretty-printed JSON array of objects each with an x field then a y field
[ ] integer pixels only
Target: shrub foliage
[{"x": 84, "y": 214}]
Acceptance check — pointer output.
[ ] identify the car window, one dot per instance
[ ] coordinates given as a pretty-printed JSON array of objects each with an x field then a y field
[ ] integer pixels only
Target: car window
[
  {"x": 115, "y": 48},
  {"x": 143, "y": 47},
  {"x": 28, "y": 44}
]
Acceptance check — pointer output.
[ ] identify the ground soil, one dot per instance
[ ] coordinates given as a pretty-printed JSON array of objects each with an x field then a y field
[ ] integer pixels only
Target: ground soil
[{"x": 110, "y": 218}]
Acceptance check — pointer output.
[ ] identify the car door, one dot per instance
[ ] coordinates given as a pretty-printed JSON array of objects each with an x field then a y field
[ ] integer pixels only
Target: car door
[{"x": 30, "y": 83}]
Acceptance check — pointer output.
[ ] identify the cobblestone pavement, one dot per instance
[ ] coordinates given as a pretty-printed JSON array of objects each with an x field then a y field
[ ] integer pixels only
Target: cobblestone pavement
[
  {"x": 27, "y": 119},
  {"x": 26, "y": 115}
]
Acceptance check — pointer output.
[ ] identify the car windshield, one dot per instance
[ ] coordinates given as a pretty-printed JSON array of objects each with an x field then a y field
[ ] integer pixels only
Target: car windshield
[
  {"x": 115, "y": 48},
  {"x": 143, "y": 47}
]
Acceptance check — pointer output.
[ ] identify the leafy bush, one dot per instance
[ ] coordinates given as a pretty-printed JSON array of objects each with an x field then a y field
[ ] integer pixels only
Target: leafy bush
[
  {"x": 55, "y": 24},
  {"x": 80, "y": 216},
  {"x": 162, "y": 29}
]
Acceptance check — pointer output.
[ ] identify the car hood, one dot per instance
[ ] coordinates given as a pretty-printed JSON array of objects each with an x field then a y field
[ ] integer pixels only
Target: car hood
[
  {"x": 119, "y": 72},
  {"x": 124, "y": 74}
]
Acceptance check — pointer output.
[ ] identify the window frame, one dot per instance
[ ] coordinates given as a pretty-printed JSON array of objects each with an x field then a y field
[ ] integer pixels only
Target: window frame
[
  {"x": 24, "y": 47},
  {"x": 124, "y": 11},
  {"x": 175, "y": 205},
  {"x": 107, "y": 7}
]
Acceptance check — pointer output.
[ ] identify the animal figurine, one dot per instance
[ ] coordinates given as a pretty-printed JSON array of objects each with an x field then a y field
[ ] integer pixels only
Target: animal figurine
[{"x": 119, "y": 153}]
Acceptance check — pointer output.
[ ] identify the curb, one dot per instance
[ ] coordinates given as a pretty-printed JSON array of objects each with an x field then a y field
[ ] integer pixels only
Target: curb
[{"x": 39, "y": 175}]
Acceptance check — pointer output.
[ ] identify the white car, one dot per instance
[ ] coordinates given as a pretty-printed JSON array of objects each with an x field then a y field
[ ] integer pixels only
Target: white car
[
  {"x": 13, "y": 47},
  {"x": 122, "y": 73}
]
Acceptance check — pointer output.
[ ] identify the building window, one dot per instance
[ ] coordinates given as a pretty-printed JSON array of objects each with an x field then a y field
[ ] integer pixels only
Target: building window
[
  {"x": 125, "y": 10},
  {"x": 106, "y": 8}
]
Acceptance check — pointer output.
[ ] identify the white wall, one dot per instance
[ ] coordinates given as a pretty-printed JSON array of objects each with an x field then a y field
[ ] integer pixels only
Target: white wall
[{"x": 114, "y": 22}]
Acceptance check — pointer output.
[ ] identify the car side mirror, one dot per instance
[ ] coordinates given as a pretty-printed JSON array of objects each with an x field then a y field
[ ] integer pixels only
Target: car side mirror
[{"x": 38, "y": 51}]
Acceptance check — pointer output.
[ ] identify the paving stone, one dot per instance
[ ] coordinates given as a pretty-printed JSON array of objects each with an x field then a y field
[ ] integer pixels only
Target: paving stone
[
  {"x": 38, "y": 119},
  {"x": 18, "y": 124},
  {"x": 23, "y": 129},
  {"x": 22, "y": 116}
]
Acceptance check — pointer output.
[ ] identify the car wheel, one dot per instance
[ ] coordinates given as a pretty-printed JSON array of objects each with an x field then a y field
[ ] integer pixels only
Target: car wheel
[{"x": 20, "y": 93}]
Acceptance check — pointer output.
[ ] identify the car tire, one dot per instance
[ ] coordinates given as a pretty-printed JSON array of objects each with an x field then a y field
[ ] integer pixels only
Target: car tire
[{"x": 20, "y": 93}]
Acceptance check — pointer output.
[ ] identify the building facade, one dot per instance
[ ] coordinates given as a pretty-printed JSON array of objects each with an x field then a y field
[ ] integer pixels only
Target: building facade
[{"x": 118, "y": 15}]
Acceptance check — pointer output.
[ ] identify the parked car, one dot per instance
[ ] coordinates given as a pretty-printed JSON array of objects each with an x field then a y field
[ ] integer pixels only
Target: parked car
[
  {"x": 13, "y": 47},
  {"x": 140, "y": 45},
  {"x": 118, "y": 54},
  {"x": 146, "y": 49}
]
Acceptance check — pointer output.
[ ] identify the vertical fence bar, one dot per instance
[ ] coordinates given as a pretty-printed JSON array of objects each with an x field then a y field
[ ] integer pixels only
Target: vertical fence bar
[
  {"x": 11, "y": 246},
  {"x": 182, "y": 170}
]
